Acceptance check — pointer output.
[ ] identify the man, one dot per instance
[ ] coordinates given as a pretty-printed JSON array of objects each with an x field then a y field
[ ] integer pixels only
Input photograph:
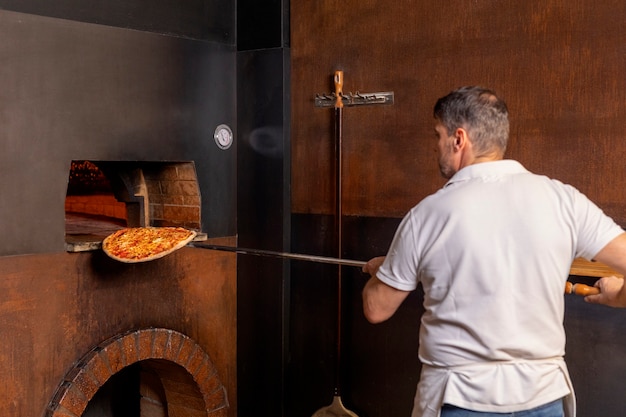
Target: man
[{"x": 492, "y": 250}]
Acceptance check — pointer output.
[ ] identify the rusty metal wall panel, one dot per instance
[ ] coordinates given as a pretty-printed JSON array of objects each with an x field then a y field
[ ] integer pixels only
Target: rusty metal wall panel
[
  {"x": 63, "y": 305},
  {"x": 559, "y": 65}
]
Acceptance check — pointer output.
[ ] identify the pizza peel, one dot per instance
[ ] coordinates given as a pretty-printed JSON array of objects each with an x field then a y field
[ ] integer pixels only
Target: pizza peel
[
  {"x": 110, "y": 240},
  {"x": 570, "y": 288}
]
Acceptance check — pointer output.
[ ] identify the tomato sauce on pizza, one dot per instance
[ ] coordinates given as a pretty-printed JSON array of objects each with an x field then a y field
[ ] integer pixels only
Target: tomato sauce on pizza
[{"x": 141, "y": 244}]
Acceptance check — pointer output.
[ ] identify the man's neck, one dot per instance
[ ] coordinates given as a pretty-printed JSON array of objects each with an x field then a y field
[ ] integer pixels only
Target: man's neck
[{"x": 489, "y": 157}]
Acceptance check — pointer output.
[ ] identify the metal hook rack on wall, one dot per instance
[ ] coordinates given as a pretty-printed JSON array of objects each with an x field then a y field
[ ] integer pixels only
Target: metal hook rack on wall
[{"x": 354, "y": 99}]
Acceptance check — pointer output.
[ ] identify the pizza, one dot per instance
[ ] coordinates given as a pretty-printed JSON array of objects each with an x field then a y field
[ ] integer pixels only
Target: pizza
[{"x": 141, "y": 244}]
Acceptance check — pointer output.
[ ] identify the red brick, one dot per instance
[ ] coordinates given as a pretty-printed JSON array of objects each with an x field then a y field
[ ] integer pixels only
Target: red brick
[
  {"x": 145, "y": 339},
  {"x": 156, "y": 211},
  {"x": 99, "y": 368},
  {"x": 173, "y": 346},
  {"x": 187, "y": 171},
  {"x": 191, "y": 200},
  {"x": 216, "y": 400},
  {"x": 154, "y": 187},
  {"x": 221, "y": 412},
  {"x": 168, "y": 173},
  {"x": 74, "y": 401},
  {"x": 181, "y": 213},
  {"x": 61, "y": 412},
  {"x": 115, "y": 357},
  {"x": 161, "y": 337},
  {"x": 191, "y": 225},
  {"x": 129, "y": 348},
  {"x": 211, "y": 384},
  {"x": 85, "y": 383},
  {"x": 186, "y": 350},
  {"x": 189, "y": 188},
  {"x": 172, "y": 199},
  {"x": 196, "y": 361},
  {"x": 205, "y": 371}
]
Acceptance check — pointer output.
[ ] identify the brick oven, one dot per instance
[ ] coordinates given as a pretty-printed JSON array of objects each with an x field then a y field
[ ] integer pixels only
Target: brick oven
[
  {"x": 73, "y": 321},
  {"x": 175, "y": 378},
  {"x": 137, "y": 101}
]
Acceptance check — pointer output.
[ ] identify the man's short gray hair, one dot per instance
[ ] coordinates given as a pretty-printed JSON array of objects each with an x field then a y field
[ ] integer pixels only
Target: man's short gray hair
[{"x": 480, "y": 112}]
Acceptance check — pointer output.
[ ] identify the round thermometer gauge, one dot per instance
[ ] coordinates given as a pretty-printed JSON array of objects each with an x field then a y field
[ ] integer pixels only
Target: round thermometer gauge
[{"x": 223, "y": 136}]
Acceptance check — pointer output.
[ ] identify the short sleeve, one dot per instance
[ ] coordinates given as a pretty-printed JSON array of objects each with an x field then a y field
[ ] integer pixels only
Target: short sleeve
[{"x": 400, "y": 268}]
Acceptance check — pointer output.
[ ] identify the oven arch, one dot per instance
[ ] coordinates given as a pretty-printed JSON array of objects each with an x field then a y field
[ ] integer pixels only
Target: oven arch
[{"x": 167, "y": 353}]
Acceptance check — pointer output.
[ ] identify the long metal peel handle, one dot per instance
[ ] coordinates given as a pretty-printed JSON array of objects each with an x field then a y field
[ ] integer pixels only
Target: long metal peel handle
[
  {"x": 286, "y": 255},
  {"x": 338, "y": 78},
  {"x": 570, "y": 288},
  {"x": 580, "y": 289}
]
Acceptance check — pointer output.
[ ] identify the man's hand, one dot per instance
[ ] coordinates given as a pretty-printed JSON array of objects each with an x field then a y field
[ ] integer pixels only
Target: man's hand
[
  {"x": 611, "y": 292},
  {"x": 380, "y": 301},
  {"x": 371, "y": 267}
]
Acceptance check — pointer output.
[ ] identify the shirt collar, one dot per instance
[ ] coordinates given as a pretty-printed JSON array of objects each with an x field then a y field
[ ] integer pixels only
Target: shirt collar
[{"x": 487, "y": 169}]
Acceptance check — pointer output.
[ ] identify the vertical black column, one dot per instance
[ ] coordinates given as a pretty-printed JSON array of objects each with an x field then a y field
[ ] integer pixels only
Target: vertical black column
[{"x": 263, "y": 214}]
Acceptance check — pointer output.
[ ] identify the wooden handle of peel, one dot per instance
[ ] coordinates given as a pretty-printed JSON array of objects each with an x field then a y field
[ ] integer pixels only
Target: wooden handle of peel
[
  {"x": 338, "y": 89},
  {"x": 580, "y": 289}
]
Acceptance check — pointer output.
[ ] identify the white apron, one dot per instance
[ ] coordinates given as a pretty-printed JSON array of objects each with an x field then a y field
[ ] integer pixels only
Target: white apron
[{"x": 434, "y": 388}]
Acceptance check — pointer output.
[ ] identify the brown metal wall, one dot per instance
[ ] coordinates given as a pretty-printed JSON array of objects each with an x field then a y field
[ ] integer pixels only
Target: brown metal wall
[{"x": 559, "y": 64}]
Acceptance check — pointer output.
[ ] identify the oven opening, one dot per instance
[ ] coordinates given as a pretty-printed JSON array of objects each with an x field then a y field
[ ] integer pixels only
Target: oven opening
[
  {"x": 121, "y": 395},
  {"x": 142, "y": 390},
  {"x": 104, "y": 196},
  {"x": 91, "y": 208},
  {"x": 153, "y": 372}
]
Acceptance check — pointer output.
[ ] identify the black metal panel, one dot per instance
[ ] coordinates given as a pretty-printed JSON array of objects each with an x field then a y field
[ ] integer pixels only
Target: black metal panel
[
  {"x": 264, "y": 223},
  {"x": 596, "y": 336},
  {"x": 379, "y": 367},
  {"x": 212, "y": 20},
  {"x": 77, "y": 91},
  {"x": 262, "y": 24}
]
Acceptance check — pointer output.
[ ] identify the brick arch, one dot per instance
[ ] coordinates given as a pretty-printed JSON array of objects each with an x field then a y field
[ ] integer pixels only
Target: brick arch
[{"x": 153, "y": 347}]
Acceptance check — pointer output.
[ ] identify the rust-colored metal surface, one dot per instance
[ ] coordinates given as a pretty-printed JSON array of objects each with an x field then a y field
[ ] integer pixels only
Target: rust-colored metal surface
[
  {"x": 54, "y": 308},
  {"x": 559, "y": 65}
]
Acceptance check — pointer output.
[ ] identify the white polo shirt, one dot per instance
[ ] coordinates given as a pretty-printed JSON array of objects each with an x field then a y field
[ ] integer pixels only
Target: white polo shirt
[{"x": 493, "y": 249}]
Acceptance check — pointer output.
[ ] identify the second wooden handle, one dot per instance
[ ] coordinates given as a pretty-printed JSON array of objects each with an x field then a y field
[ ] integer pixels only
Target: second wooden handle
[
  {"x": 580, "y": 289},
  {"x": 338, "y": 79}
]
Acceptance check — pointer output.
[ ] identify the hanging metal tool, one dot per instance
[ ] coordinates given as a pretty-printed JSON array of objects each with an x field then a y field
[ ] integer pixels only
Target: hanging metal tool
[{"x": 336, "y": 408}]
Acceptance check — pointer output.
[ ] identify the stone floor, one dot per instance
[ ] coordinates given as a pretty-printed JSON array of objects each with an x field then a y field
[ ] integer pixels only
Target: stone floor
[
  {"x": 85, "y": 232},
  {"x": 81, "y": 224}
]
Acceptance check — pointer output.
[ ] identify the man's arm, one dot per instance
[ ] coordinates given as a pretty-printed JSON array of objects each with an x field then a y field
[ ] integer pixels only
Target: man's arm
[
  {"x": 612, "y": 289},
  {"x": 380, "y": 301}
]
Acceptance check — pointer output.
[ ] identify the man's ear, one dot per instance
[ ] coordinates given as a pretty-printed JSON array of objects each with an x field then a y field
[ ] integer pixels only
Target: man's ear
[{"x": 460, "y": 138}]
